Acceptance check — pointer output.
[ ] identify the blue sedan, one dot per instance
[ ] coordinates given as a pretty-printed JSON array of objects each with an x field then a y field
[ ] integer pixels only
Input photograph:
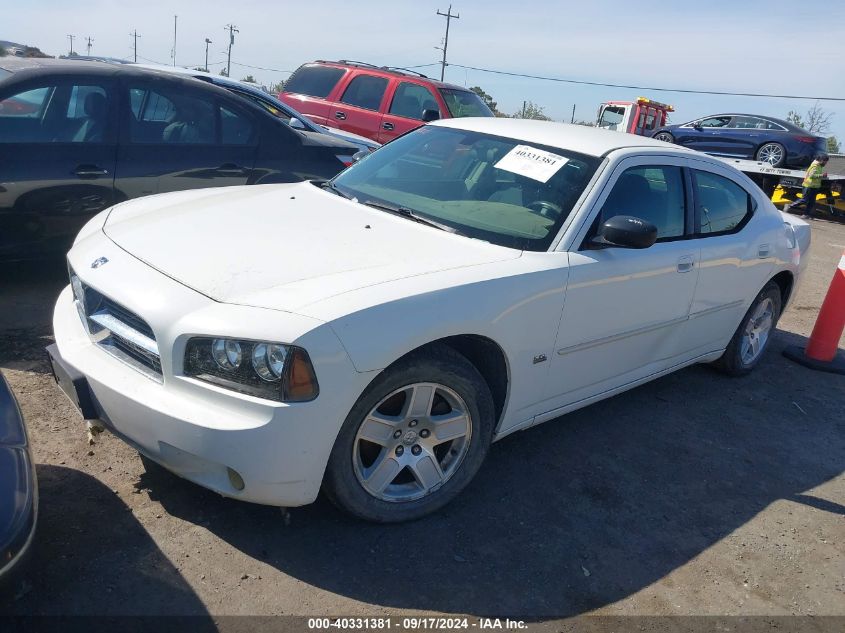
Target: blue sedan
[{"x": 748, "y": 136}]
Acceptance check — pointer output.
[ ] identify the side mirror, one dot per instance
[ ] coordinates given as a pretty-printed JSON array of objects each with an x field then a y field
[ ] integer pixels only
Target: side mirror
[
  {"x": 697, "y": 125},
  {"x": 361, "y": 153},
  {"x": 430, "y": 115},
  {"x": 296, "y": 124},
  {"x": 626, "y": 231}
]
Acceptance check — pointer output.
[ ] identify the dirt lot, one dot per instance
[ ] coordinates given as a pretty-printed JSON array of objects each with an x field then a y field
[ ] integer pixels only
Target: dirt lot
[{"x": 695, "y": 494}]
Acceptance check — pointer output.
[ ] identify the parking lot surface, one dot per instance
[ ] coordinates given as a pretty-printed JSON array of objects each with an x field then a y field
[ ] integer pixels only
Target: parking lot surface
[{"x": 694, "y": 494}]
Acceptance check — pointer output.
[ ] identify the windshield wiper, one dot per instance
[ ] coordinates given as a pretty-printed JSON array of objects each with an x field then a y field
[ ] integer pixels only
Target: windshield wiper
[
  {"x": 405, "y": 212},
  {"x": 328, "y": 184}
]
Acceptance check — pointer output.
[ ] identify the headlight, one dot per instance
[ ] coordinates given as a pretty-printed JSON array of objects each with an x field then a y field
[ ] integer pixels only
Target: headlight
[{"x": 259, "y": 368}]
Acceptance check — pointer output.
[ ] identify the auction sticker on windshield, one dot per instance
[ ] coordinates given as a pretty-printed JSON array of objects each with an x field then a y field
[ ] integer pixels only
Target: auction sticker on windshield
[{"x": 531, "y": 162}]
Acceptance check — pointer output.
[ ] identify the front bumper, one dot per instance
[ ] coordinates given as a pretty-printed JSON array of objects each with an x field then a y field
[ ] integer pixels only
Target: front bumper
[{"x": 199, "y": 431}]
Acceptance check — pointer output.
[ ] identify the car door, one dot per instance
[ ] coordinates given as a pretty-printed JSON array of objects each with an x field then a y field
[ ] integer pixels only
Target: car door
[
  {"x": 625, "y": 309},
  {"x": 742, "y": 136},
  {"x": 358, "y": 110},
  {"x": 712, "y": 136},
  {"x": 736, "y": 258},
  {"x": 177, "y": 136},
  {"x": 407, "y": 102},
  {"x": 57, "y": 161}
]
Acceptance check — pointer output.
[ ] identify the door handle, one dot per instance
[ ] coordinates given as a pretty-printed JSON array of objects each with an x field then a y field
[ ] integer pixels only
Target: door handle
[
  {"x": 340, "y": 115},
  {"x": 685, "y": 264},
  {"x": 230, "y": 169},
  {"x": 90, "y": 171},
  {"x": 387, "y": 126}
]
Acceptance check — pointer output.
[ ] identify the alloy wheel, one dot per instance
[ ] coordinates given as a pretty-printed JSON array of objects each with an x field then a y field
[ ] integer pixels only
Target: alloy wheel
[
  {"x": 757, "y": 332},
  {"x": 412, "y": 442}
]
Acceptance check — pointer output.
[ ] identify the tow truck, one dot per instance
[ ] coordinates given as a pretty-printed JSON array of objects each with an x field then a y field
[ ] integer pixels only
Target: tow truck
[{"x": 642, "y": 116}]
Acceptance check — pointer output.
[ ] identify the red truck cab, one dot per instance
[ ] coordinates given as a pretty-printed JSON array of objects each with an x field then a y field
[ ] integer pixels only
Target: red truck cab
[{"x": 642, "y": 116}]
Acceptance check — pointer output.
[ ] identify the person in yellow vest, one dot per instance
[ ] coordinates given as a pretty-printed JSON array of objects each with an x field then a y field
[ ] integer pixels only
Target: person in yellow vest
[{"x": 812, "y": 184}]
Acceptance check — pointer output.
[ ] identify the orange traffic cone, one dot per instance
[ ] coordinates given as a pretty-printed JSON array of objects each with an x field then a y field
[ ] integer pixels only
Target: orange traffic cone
[{"x": 821, "y": 352}]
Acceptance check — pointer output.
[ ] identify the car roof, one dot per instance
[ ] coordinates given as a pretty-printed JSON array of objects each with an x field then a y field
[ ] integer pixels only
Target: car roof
[
  {"x": 32, "y": 67},
  {"x": 578, "y": 138},
  {"x": 789, "y": 126},
  {"x": 389, "y": 71}
]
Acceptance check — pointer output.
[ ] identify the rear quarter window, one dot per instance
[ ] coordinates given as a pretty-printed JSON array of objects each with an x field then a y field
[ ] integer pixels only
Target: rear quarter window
[{"x": 314, "y": 81}]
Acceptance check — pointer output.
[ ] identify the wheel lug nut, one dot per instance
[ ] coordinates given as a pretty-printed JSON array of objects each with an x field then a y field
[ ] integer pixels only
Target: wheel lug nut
[
  {"x": 414, "y": 423},
  {"x": 425, "y": 433},
  {"x": 415, "y": 449},
  {"x": 399, "y": 451},
  {"x": 397, "y": 433}
]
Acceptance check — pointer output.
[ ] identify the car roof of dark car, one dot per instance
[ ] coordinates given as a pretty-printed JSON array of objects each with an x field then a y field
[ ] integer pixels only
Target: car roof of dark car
[{"x": 791, "y": 127}]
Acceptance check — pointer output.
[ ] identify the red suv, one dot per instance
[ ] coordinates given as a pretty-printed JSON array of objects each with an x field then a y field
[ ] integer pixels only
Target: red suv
[{"x": 377, "y": 102}]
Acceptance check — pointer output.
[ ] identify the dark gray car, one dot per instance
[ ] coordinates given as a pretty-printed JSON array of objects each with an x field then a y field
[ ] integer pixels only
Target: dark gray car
[{"x": 78, "y": 137}]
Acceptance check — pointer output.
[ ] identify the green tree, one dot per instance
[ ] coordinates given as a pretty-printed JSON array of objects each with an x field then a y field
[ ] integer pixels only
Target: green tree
[
  {"x": 223, "y": 72},
  {"x": 488, "y": 100},
  {"x": 816, "y": 119},
  {"x": 249, "y": 79},
  {"x": 832, "y": 145},
  {"x": 531, "y": 110},
  {"x": 276, "y": 88}
]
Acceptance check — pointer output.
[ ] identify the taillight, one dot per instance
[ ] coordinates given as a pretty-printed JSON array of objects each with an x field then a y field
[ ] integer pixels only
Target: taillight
[{"x": 807, "y": 139}]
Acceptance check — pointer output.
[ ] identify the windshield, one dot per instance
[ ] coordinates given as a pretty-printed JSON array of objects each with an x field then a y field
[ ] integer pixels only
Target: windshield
[
  {"x": 463, "y": 103},
  {"x": 487, "y": 187}
]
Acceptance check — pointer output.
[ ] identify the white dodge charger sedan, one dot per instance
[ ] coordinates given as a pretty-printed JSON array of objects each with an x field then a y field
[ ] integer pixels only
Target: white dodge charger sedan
[{"x": 372, "y": 335}]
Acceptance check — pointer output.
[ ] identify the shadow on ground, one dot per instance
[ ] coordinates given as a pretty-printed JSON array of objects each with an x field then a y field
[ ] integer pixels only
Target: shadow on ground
[
  {"x": 91, "y": 556},
  {"x": 574, "y": 514}
]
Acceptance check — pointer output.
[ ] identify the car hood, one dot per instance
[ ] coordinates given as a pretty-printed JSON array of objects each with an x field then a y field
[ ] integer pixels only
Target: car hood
[{"x": 284, "y": 246}]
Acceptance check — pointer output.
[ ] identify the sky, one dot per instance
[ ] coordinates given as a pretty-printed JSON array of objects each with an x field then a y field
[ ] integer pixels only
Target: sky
[{"x": 770, "y": 47}]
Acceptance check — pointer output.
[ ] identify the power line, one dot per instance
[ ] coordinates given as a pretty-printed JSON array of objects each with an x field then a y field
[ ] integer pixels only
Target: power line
[
  {"x": 649, "y": 88},
  {"x": 276, "y": 70},
  {"x": 448, "y": 15}
]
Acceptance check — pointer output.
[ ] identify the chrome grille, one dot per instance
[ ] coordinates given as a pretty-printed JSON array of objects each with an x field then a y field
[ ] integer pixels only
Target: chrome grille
[{"x": 117, "y": 330}]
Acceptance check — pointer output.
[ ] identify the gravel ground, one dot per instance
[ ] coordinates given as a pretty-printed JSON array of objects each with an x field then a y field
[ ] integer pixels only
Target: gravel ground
[{"x": 695, "y": 494}]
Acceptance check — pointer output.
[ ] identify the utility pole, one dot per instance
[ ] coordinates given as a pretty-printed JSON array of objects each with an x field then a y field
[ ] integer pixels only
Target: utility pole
[
  {"x": 232, "y": 30},
  {"x": 207, "y": 42},
  {"x": 174, "y": 39},
  {"x": 572, "y": 120},
  {"x": 448, "y": 15},
  {"x": 71, "y": 38},
  {"x": 135, "y": 37},
  {"x": 90, "y": 40}
]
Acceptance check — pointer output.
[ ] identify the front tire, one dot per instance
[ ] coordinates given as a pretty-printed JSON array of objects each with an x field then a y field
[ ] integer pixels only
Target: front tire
[
  {"x": 772, "y": 153},
  {"x": 752, "y": 337},
  {"x": 413, "y": 440}
]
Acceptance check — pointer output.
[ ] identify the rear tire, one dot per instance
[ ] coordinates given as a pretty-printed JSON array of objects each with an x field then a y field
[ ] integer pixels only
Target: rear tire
[
  {"x": 751, "y": 339},
  {"x": 772, "y": 153},
  {"x": 665, "y": 137},
  {"x": 414, "y": 439}
]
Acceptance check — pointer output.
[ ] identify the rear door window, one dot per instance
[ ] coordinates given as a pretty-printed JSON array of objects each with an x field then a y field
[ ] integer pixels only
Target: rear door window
[
  {"x": 365, "y": 91},
  {"x": 722, "y": 205},
  {"x": 60, "y": 112},
  {"x": 314, "y": 81}
]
